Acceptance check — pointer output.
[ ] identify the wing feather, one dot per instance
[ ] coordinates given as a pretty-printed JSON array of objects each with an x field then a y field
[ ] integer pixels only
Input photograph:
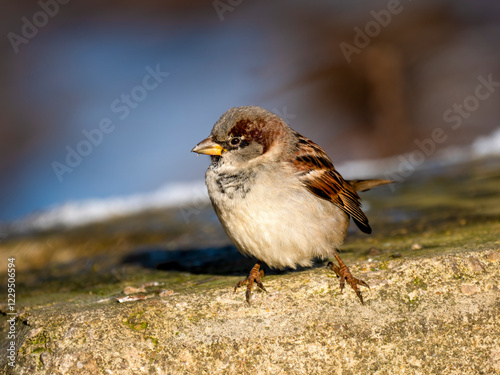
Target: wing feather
[{"x": 317, "y": 173}]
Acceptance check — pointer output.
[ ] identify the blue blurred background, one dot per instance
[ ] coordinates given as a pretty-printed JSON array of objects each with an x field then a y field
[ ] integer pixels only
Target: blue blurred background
[{"x": 284, "y": 56}]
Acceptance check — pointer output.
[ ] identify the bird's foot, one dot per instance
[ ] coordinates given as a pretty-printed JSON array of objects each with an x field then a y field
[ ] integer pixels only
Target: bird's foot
[
  {"x": 255, "y": 276},
  {"x": 344, "y": 275}
]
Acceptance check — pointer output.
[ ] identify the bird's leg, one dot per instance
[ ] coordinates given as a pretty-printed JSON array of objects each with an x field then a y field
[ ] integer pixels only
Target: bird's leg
[
  {"x": 255, "y": 276},
  {"x": 344, "y": 274}
]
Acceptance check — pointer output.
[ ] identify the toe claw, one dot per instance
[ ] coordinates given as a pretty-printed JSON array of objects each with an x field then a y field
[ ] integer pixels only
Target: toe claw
[
  {"x": 261, "y": 286},
  {"x": 358, "y": 293},
  {"x": 240, "y": 283},
  {"x": 248, "y": 296},
  {"x": 361, "y": 282}
]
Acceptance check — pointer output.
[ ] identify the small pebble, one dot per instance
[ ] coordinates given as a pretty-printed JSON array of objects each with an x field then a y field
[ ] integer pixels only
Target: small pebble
[
  {"x": 166, "y": 292},
  {"x": 470, "y": 289},
  {"x": 416, "y": 246},
  {"x": 131, "y": 290},
  {"x": 131, "y": 298},
  {"x": 150, "y": 284},
  {"x": 493, "y": 257},
  {"x": 475, "y": 265}
]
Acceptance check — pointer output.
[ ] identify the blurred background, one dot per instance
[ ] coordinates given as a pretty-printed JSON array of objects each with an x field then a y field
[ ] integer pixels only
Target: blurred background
[{"x": 102, "y": 102}]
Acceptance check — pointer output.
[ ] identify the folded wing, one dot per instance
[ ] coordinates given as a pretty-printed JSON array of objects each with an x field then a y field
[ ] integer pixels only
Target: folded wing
[{"x": 317, "y": 173}]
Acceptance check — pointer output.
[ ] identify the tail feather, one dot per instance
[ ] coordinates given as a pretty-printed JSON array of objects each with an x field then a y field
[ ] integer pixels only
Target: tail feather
[{"x": 364, "y": 185}]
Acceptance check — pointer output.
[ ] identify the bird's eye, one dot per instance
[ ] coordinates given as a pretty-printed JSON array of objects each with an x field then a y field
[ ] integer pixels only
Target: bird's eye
[{"x": 235, "y": 141}]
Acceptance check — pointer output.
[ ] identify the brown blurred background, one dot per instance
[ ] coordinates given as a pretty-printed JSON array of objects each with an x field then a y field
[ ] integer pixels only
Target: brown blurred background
[{"x": 62, "y": 77}]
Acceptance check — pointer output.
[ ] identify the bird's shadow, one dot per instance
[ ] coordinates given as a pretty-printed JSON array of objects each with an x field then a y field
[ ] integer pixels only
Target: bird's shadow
[{"x": 224, "y": 260}]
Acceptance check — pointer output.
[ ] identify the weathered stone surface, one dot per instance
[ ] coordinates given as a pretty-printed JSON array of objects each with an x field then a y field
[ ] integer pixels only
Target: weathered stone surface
[{"x": 419, "y": 317}]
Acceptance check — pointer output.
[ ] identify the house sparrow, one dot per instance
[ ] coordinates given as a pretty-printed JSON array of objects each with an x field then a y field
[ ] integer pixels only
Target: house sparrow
[{"x": 278, "y": 195}]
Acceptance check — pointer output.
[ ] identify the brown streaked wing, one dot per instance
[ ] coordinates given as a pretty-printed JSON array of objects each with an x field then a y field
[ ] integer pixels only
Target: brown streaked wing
[{"x": 320, "y": 177}]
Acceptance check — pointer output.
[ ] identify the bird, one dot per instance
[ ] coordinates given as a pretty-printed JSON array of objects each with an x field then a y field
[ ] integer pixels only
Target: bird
[{"x": 278, "y": 196}]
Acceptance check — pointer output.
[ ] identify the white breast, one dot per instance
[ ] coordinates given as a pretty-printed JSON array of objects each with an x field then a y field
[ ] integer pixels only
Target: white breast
[{"x": 273, "y": 218}]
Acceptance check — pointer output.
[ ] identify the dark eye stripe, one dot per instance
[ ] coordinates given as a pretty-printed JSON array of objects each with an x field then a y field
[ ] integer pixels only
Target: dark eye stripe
[{"x": 243, "y": 143}]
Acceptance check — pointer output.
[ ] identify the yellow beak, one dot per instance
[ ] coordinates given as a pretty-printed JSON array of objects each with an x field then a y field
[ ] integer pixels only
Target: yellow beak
[{"x": 208, "y": 147}]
